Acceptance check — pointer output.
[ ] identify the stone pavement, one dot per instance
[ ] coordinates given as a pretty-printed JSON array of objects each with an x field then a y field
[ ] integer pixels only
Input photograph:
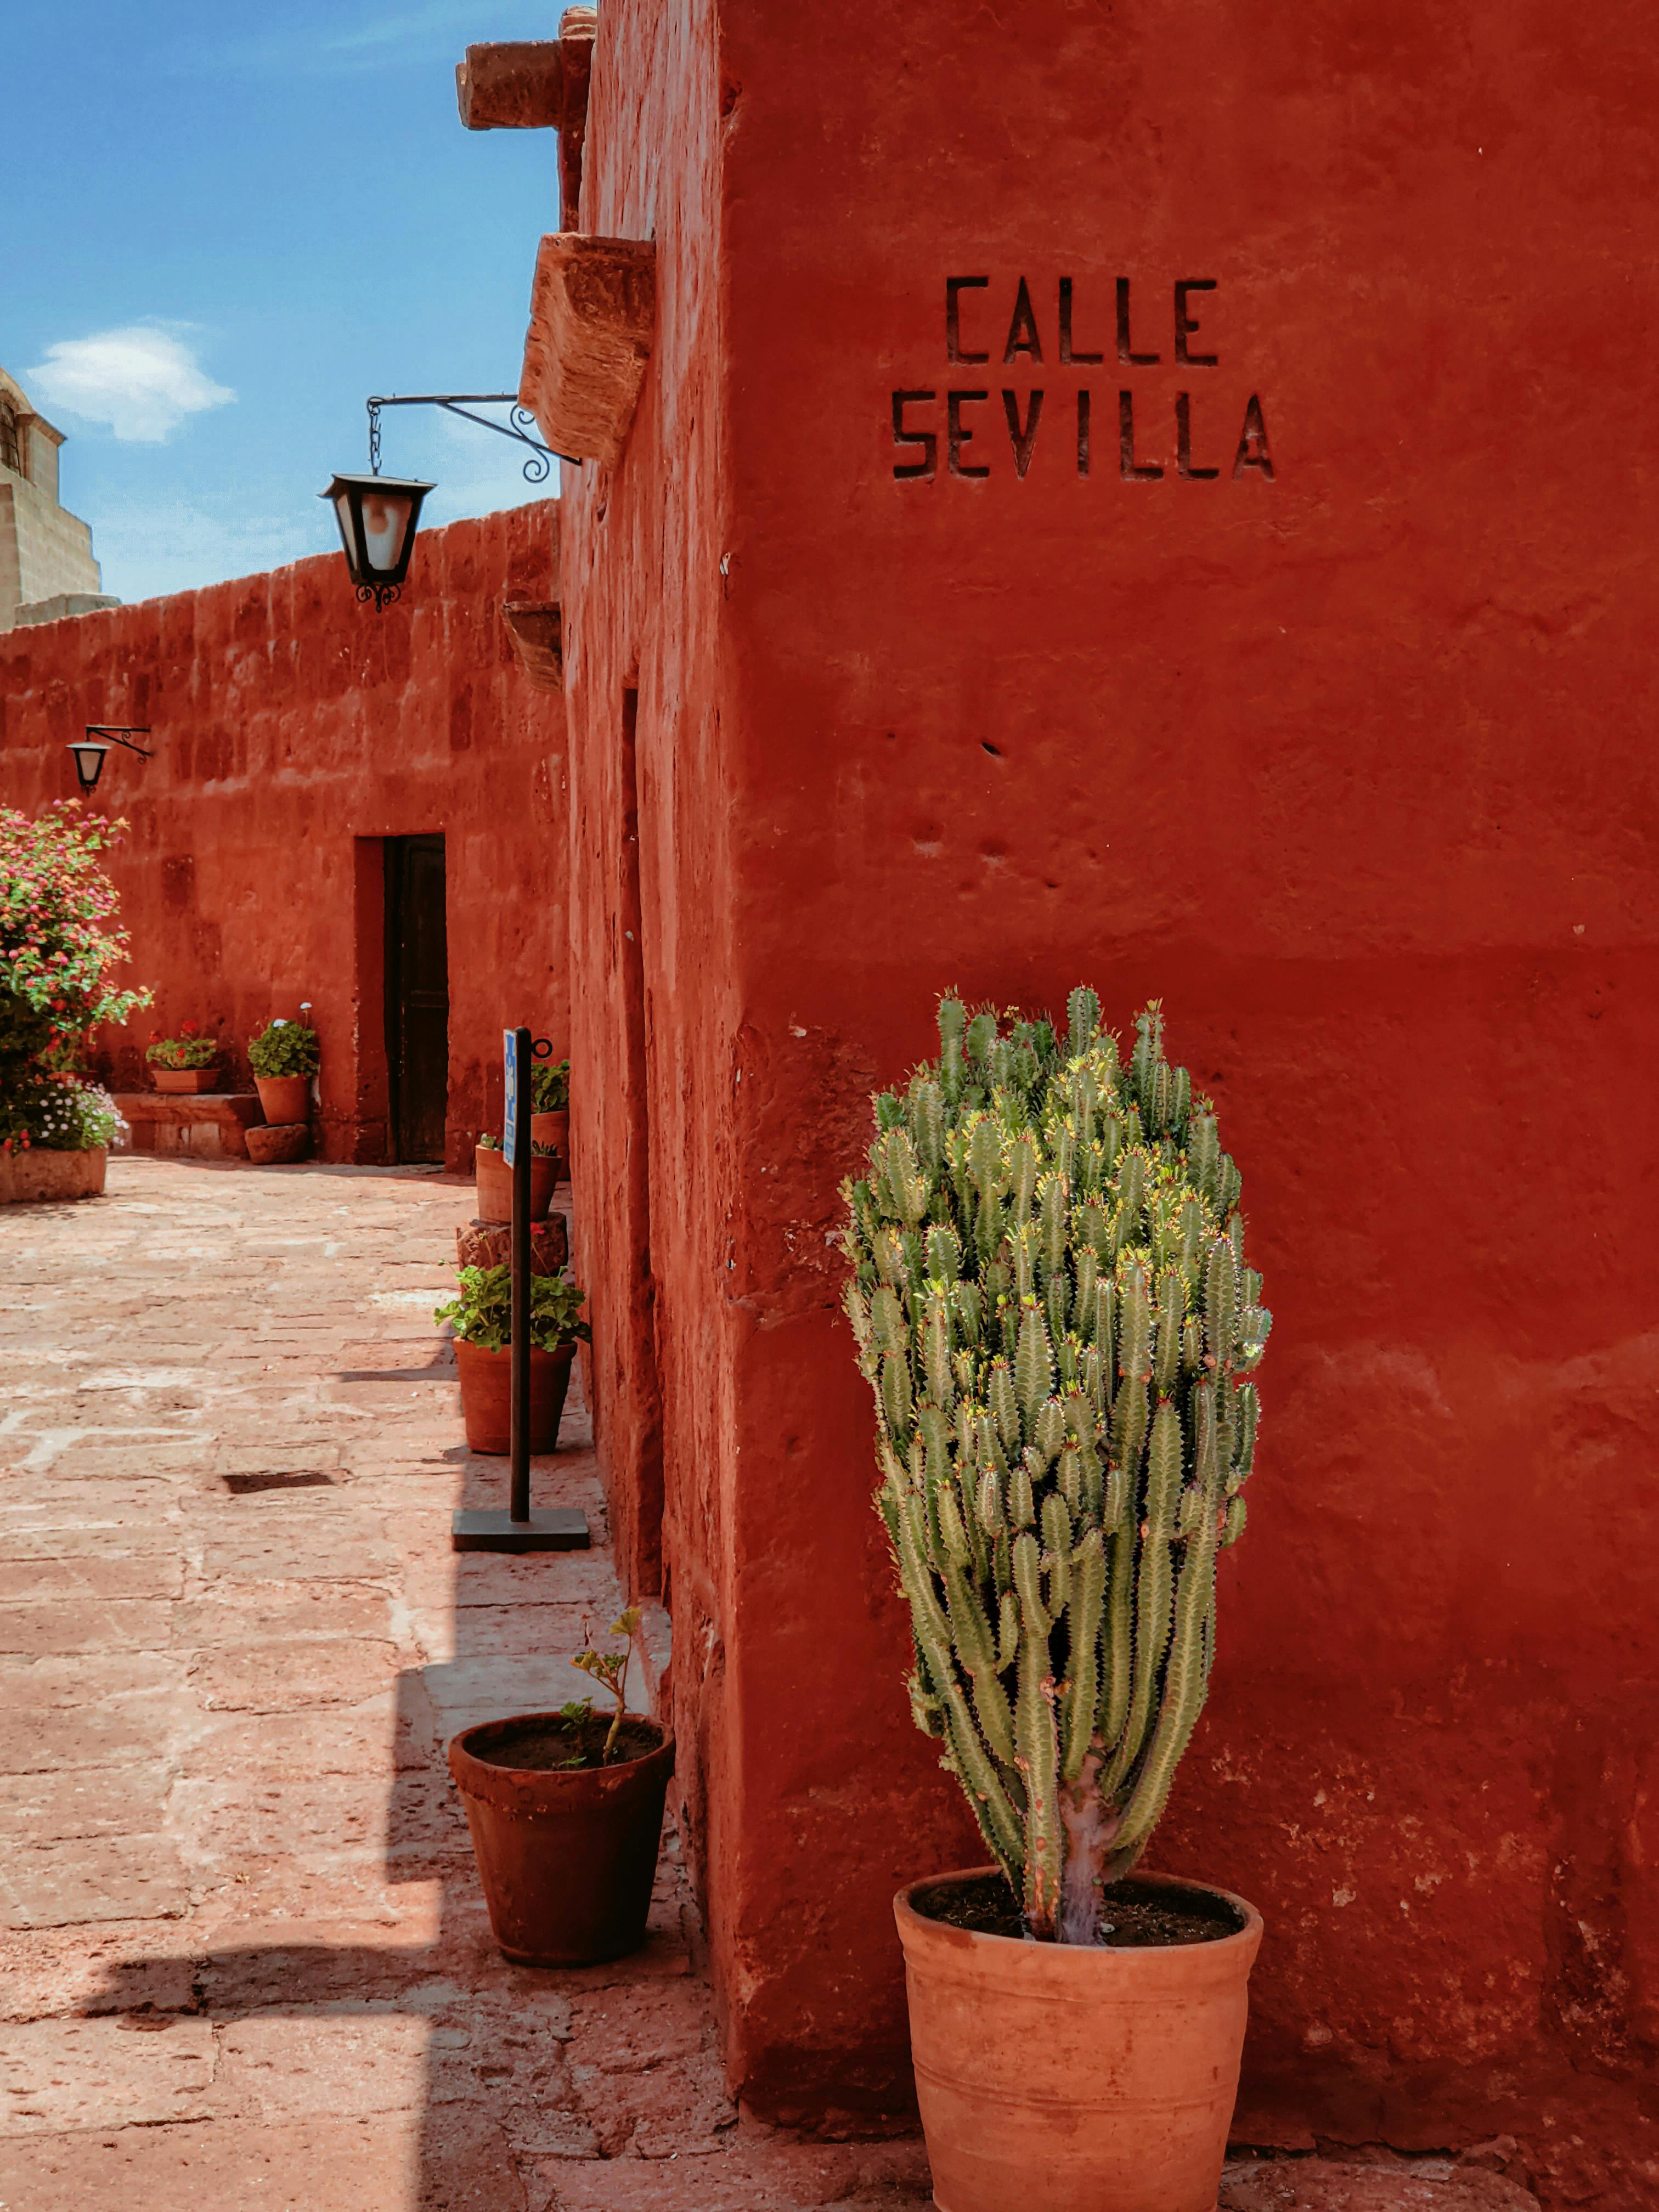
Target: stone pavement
[{"x": 247, "y": 1962}]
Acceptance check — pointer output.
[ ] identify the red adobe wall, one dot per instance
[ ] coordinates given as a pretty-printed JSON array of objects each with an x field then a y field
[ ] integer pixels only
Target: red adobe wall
[
  {"x": 292, "y": 727},
  {"x": 1353, "y": 767}
]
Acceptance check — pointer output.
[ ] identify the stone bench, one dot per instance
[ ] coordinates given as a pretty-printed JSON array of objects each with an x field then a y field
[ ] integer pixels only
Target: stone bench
[{"x": 202, "y": 1124}]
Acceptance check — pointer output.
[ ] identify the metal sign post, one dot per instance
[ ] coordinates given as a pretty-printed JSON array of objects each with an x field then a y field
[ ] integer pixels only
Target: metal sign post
[{"x": 556, "y": 1528}]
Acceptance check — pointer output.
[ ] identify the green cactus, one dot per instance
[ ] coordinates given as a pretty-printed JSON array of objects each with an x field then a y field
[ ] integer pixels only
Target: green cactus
[{"x": 1053, "y": 1311}]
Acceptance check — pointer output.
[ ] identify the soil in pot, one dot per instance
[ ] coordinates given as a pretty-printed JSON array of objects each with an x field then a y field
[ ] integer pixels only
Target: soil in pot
[
  {"x": 284, "y": 1098},
  {"x": 567, "y": 1854},
  {"x": 494, "y": 1182},
  {"x": 486, "y": 1395},
  {"x": 191, "y": 1080},
  {"x": 1065, "y": 2077},
  {"x": 1137, "y": 1912}
]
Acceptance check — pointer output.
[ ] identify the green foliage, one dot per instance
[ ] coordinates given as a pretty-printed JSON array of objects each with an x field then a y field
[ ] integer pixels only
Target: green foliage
[
  {"x": 1053, "y": 1313},
  {"x": 58, "y": 946},
  {"x": 549, "y": 1087},
  {"x": 43, "y": 1112},
  {"x": 190, "y": 1048},
  {"x": 284, "y": 1048},
  {"x": 490, "y": 1142},
  {"x": 483, "y": 1314}
]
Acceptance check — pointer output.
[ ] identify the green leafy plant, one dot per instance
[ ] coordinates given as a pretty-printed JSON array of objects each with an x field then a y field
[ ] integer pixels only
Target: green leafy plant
[
  {"x": 44, "y": 1112},
  {"x": 284, "y": 1048},
  {"x": 190, "y": 1048},
  {"x": 490, "y": 1142},
  {"x": 1052, "y": 1307},
  {"x": 549, "y": 1087},
  {"x": 58, "y": 943},
  {"x": 483, "y": 1314}
]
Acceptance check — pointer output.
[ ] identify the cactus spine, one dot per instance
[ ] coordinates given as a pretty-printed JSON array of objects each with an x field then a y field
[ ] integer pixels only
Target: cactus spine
[{"x": 1052, "y": 1307}]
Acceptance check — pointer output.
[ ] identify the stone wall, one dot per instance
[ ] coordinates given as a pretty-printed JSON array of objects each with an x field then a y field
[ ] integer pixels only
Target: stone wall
[
  {"x": 1350, "y": 762},
  {"x": 293, "y": 730}
]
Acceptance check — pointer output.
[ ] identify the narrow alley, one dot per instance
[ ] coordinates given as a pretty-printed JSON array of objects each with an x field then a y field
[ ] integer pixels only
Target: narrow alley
[{"x": 247, "y": 1961}]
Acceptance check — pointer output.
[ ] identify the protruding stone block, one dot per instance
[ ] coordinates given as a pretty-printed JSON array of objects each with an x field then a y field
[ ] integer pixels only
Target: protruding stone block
[
  {"x": 513, "y": 85},
  {"x": 536, "y": 629},
  {"x": 592, "y": 316}
]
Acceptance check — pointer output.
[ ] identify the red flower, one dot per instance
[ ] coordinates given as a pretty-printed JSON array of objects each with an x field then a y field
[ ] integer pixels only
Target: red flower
[{"x": 189, "y": 1029}]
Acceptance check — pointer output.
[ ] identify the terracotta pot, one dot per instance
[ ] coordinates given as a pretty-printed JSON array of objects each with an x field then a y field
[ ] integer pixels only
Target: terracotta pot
[
  {"x": 567, "y": 1857},
  {"x": 190, "y": 1079},
  {"x": 486, "y": 1387},
  {"x": 40, "y": 1175},
  {"x": 1054, "y": 2078},
  {"x": 553, "y": 1129},
  {"x": 284, "y": 1098},
  {"x": 494, "y": 1180}
]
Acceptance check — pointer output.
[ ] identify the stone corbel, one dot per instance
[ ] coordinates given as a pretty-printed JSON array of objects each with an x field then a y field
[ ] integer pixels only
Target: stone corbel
[
  {"x": 592, "y": 317},
  {"x": 536, "y": 84}
]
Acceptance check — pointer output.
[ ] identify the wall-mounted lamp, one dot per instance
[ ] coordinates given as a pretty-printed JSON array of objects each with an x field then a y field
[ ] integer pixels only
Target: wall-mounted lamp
[
  {"x": 378, "y": 515},
  {"x": 90, "y": 752}
]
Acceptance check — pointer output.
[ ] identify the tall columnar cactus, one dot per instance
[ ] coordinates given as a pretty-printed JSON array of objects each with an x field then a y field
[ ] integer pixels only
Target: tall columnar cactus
[{"x": 1052, "y": 1307}]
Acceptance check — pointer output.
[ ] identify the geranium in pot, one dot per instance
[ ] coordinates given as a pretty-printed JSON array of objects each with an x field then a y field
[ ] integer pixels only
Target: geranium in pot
[
  {"x": 550, "y": 1108},
  {"x": 1053, "y": 1310},
  {"x": 493, "y": 1180},
  {"x": 187, "y": 1062},
  {"x": 482, "y": 1316},
  {"x": 565, "y": 1811},
  {"x": 285, "y": 1057}
]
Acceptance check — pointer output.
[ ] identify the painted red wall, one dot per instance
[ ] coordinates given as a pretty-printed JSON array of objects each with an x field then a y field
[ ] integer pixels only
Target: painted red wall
[
  {"x": 291, "y": 725},
  {"x": 1352, "y": 767}
]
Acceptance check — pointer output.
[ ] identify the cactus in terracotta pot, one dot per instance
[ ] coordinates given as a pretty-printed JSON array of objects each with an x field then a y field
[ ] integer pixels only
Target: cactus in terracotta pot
[{"x": 1054, "y": 1310}]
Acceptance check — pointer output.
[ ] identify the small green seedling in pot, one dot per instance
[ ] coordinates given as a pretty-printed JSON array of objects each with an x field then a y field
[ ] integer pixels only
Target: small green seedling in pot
[{"x": 610, "y": 1670}]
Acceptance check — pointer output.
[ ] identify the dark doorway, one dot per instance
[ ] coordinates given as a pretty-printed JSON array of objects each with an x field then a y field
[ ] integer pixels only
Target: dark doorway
[{"x": 416, "y": 996}]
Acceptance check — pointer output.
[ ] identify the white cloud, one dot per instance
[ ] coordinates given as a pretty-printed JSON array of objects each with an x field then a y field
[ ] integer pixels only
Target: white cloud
[
  {"x": 141, "y": 381},
  {"x": 178, "y": 546}
]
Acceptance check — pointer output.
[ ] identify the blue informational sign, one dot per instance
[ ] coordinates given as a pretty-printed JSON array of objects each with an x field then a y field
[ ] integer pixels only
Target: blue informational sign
[{"x": 510, "y": 1149}]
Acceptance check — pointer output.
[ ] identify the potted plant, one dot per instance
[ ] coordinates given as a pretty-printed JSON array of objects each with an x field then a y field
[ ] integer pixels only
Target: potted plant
[
  {"x": 1053, "y": 1309},
  {"x": 188, "y": 1062},
  {"x": 285, "y": 1057},
  {"x": 565, "y": 1811},
  {"x": 55, "y": 1135},
  {"x": 59, "y": 942},
  {"x": 494, "y": 1179},
  {"x": 482, "y": 1316},
  {"x": 550, "y": 1108}
]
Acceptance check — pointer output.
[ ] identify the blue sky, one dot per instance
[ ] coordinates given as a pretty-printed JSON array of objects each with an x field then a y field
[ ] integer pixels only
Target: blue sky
[{"x": 277, "y": 204}]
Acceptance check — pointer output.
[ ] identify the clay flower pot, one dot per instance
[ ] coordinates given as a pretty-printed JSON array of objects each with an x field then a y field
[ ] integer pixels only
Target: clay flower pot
[
  {"x": 1057, "y": 2078},
  {"x": 486, "y": 1400},
  {"x": 494, "y": 1180},
  {"x": 567, "y": 1856},
  {"x": 40, "y": 1174},
  {"x": 553, "y": 1129},
  {"x": 284, "y": 1098},
  {"x": 190, "y": 1079}
]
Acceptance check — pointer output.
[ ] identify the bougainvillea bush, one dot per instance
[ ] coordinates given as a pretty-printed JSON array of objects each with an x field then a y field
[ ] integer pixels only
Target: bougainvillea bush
[{"x": 60, "y": 945}]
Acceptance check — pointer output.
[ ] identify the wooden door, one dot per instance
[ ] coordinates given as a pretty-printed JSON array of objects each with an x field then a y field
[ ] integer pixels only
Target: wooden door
[{"x": 418, "y": 996}]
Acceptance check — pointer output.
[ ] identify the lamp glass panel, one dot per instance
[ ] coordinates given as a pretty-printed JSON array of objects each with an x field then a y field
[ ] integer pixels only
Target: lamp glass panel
[
  {"x": 88, "y": 763},
  {"x": 347, "y": 528},
  {"x": 385, "y": 527}
]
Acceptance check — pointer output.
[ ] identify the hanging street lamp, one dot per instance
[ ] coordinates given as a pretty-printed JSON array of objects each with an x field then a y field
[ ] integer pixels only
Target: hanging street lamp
[
  {"x": 90, "y": 753},
  {"x": 377, "y": 517},
  {"x": 378, "y": 514}
]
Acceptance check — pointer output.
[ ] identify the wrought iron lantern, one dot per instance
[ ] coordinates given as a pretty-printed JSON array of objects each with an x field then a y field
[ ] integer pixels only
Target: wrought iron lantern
[
  {"x": 378, "y": 514},
  {"x": 90, "y": 760},
  {"x": 377, "y": 517},
  {"x": 90, "y": 751}
]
